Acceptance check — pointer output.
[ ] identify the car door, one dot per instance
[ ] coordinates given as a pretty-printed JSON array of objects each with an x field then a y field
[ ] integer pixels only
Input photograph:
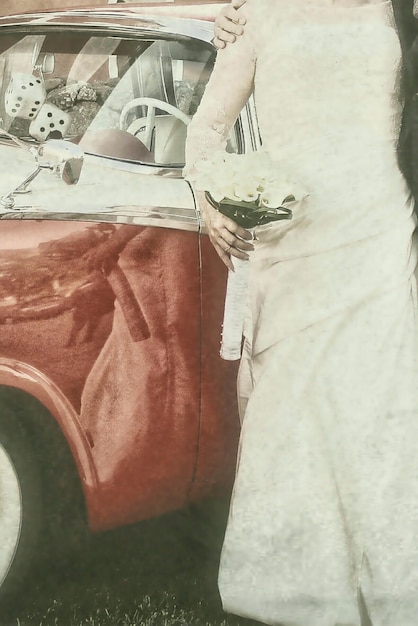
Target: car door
[{"x": 100, "y": 301}]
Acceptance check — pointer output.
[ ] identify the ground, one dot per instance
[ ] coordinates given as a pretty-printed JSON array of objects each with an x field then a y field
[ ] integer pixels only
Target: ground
[{"x": 159, "y": 573}]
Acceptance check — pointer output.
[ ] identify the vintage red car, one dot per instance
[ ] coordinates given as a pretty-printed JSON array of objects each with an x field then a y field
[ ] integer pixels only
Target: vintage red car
[{"x": 114, "y": 400}]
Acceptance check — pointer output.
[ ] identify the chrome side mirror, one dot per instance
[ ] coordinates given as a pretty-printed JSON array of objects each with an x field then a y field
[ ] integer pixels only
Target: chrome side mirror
[
  {"x": 45, "y": 63},
  {"x": 61, "y": 157}
]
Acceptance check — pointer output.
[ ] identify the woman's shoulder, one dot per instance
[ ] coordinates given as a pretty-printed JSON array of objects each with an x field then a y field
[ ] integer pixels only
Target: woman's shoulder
[
  {"x": 259, "y": 14},
  {"x": 255, "y": 8}
]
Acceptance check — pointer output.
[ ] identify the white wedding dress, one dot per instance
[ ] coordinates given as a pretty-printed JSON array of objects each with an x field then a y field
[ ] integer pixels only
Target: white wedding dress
[{"x": 323, "y": 527}]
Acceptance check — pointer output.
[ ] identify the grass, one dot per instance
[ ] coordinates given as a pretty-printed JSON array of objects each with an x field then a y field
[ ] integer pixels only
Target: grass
[{"x": 159, "y": 573}]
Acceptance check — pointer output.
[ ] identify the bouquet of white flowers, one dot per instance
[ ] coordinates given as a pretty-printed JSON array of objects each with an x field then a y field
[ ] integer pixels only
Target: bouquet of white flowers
[
  {"x": 252, "y": 190},
  {"x": 248, "y": 188}
]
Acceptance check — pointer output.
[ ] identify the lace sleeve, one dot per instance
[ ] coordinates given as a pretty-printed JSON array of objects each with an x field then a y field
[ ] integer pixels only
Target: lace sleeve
[{"x": 226, "y": 93}]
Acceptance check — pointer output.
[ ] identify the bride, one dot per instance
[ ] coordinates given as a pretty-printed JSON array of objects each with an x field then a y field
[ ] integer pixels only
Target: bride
[{"x": 323, "y": 525}]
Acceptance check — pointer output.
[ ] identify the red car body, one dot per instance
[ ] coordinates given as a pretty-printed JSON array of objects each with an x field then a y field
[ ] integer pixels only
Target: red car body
[
  {"x": 111, "y": 295},
  {"x": 179, "y": 444}
]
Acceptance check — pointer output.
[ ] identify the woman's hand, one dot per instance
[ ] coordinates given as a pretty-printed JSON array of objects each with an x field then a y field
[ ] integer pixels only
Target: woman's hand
[
  {"x": 229, "y": 24},
  {"x": 228, "y": 238}
]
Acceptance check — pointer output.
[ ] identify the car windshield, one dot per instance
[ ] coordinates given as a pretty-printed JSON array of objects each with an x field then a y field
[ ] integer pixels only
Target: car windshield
[{"x": 123, "y": 98}]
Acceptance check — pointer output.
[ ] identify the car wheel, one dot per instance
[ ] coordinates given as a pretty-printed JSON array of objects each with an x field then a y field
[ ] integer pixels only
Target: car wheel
[{"x": 20, "y": 507}]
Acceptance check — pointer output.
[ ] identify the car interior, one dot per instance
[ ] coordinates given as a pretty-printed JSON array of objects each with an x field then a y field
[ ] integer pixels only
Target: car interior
[{"x": 123, "y": 98}]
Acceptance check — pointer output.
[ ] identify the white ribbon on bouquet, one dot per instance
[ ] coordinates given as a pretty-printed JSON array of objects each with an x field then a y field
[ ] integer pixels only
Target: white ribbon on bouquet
[{"x": 234, "y": 311}]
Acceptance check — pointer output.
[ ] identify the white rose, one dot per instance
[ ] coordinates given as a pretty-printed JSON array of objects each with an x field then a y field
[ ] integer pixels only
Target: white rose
[
  {"x": 225, "y": 182},
  {"x": 246, "y": 192},
  {"x": 274, "y": 195}
]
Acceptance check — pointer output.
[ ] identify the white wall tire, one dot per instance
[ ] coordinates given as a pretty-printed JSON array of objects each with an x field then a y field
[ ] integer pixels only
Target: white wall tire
[
  {"x": 20, "y": 509},
  {"x": 11, "y": 513}
]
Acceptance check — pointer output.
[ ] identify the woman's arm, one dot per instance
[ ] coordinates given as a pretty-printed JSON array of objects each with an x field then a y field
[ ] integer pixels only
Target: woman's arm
[
  {"x": 229, "y": 24},
  {"x": 227, "y": 92}
]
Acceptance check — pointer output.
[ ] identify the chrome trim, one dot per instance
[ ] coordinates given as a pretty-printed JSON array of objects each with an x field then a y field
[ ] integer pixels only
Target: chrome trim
[
  {"x": 251, "y": 128},
  {"x": 115, "y": 163},
  {"x": 160, "y": 217},
  {"x": 149, "y": 169},
  {"x": 121, "y": 23}
]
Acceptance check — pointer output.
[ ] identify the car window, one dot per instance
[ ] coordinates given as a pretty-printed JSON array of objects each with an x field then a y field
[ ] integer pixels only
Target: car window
[{"x": 123, "y": 98}]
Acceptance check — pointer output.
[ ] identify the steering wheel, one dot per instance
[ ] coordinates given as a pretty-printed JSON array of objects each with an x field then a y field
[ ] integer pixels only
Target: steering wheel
[{"x": 151, "y": 104}]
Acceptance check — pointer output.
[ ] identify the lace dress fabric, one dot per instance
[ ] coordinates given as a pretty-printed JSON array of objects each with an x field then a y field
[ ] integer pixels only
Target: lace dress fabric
[{"x": 323, "y": 526}]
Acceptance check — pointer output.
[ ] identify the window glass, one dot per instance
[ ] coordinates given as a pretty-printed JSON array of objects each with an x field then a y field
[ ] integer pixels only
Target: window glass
[{"x": 123, "y": 98}]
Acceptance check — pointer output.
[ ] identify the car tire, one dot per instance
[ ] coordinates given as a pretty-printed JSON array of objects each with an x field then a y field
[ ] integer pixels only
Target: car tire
[{"x": 20, "y": 507}]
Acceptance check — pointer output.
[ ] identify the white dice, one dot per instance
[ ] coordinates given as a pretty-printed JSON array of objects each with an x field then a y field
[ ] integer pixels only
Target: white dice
[
  {"x": 50, "y": 118},
  {"x": 25, "y": 96}
]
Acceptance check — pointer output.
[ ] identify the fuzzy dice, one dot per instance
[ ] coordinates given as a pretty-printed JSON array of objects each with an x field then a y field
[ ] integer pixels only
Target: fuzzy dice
[
  {"x": 25, "y": 96},
  {"x": 50, "y": 118}
]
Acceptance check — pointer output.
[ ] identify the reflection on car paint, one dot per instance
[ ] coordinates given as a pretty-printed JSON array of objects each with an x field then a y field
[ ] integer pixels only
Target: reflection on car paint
[{"x": 111, "y": 295}]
